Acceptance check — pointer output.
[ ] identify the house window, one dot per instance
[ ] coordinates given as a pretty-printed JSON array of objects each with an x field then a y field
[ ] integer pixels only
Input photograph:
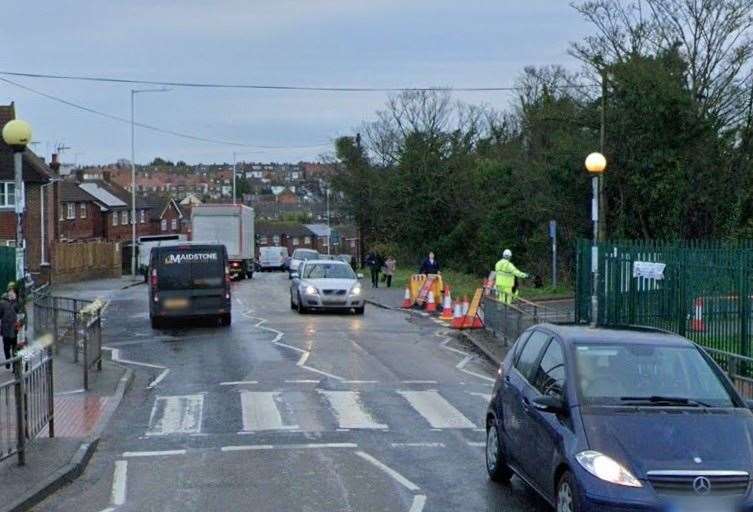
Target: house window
[
  {"x": 62, "y": 211},
  {"x": 71, "y": 210},
  {"x": 276, "y": 239},
  {"x": 353, "y": 243},
  {"x": 163, "y": 225},
  {"x": 307, "y": 240},
  {"x": 296, "y": 241},
  {"x": 124, "y": 217},
  {"x": 114, "y": 218},
  {"x": 263, "y": 240},
  {"x": 174, "y": 224},
  {"x": 7, "y": 194},
  {"x": 83, "y": 210},
  {"x": 142, "y": 216}
]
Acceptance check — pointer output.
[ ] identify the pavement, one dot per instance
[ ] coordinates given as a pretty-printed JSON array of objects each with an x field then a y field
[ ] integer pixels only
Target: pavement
[
  {"x": 79, "y": 417},
  {"x": 317, "y": 412}
]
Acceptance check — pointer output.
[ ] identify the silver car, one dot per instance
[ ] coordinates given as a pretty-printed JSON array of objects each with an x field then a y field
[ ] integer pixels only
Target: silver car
[{"x": 326, "y": 284}]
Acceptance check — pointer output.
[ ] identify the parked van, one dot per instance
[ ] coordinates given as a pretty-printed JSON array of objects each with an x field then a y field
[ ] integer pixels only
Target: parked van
[
  {"x": 272, "y": 258},
  {"x": 189, "y": 280}
]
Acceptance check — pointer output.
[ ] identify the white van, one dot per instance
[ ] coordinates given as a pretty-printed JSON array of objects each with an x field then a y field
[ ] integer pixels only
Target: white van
[{"x": 272, "y": 258}]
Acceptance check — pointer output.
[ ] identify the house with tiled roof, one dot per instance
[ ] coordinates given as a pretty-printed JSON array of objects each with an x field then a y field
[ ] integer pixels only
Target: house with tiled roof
[{"x": 37, "y": 220}]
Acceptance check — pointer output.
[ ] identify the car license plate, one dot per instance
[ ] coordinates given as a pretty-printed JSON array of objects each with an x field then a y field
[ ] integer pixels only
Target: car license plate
[{"x": 176, "y": 303}]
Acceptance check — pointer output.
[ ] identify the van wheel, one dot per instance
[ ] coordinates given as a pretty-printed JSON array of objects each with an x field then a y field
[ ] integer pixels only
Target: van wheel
[
  {"x": 226, "y": 319},
  {"x": 156, "y": 322},
  {"x": 359, "y": 311}
]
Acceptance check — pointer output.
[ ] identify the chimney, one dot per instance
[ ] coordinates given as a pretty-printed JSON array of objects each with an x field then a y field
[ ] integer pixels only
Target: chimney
[
  {"x": 80, "y": 176},
  {"x": 55, "y": 164},
  {"x": 106, "y": 176}
]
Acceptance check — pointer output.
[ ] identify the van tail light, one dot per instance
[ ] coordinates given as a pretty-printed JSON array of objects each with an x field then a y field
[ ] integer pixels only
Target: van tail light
[
  {"x": 154, "y": 279},
  {"x": 235, "y": 264}
]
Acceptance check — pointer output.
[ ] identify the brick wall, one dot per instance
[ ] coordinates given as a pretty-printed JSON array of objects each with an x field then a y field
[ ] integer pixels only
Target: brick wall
[
  {"x": 123, "y": 232},
  {"x": 31, "y": 226},
  {"x": 172, "y": 219},
  {"x": 81, "y": 227}
]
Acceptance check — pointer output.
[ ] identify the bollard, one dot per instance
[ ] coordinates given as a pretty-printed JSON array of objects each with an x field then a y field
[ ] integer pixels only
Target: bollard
[{"x": 50, "y": 394}]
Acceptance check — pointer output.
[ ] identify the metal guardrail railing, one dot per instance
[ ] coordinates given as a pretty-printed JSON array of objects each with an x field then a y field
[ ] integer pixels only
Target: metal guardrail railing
[
  {"x": 510, "y": 320},
  {"x": 75, "y": 326},
  {"x": 738, "y": 368},
  {"x": 26, "y": 400}
]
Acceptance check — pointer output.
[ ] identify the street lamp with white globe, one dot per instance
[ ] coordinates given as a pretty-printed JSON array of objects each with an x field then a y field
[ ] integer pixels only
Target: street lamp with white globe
[
  {"x": 596, "y": 164},
  {"x": 17, "y": 135}
]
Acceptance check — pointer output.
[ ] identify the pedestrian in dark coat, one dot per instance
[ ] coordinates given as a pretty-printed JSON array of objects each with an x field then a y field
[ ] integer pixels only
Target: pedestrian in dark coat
[
  {"x": 9, "y": 309},
  {"x": 375, "y": 262},
  {"x": 430, "y": 265}
]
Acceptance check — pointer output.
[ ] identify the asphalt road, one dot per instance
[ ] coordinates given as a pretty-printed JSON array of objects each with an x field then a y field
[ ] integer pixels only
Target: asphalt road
[{"x": 288, "y": 412}]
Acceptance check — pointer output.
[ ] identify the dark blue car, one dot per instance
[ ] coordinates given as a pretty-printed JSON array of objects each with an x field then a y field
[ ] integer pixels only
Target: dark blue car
[{"x": 616, "y": 420}]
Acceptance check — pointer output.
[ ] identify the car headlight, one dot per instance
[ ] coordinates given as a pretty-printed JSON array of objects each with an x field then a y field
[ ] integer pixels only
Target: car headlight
[
  {"x": 356, "y": 290},
  {"x": 606, "y": 468},
  {"x": 310, "y": 290}
]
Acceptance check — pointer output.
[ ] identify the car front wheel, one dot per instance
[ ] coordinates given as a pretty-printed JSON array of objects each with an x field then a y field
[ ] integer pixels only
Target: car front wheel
[
  {"x": 301, "y": 308},
  {"x": 567, "y": 499},
  {"x": 496, "y": 467}
]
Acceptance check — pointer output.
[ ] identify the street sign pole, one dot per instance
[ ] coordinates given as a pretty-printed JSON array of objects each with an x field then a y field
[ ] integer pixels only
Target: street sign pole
[{"x": 553, "y": 236}]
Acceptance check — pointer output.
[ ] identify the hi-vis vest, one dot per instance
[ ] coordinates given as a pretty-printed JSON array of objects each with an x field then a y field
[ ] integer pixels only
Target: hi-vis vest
[{"x": 506, "y": 273}]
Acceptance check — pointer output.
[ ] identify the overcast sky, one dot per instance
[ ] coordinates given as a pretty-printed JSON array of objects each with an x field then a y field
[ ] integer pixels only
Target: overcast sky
[{"x": 374, "y": 43}]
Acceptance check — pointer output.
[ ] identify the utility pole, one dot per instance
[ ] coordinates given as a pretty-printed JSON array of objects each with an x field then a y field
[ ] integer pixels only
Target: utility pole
[
  {"x": 235, "y": 156},
  {"x": 329, "y": 228}
]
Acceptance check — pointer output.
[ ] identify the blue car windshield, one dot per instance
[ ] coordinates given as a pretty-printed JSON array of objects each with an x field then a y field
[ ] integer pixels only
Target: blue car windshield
[
  {"x": 639, "y": 374},
  {"x": 328, "y": 271}
]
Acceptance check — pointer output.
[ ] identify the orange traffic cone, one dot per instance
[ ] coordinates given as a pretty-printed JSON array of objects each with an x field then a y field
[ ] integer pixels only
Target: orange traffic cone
[
  {"x": 447, "y": 305},
  {"x": 457, "y": 316},
  {"x": 407, "y": 303},
  {"x": 431, "y": 306},
  {"x": 466, "y": 306},
  {"x": 697, "y": 324}
]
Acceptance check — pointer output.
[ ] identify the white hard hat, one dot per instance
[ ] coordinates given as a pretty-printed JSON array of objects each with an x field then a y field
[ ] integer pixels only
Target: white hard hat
[{"x": 507, "y": 254}]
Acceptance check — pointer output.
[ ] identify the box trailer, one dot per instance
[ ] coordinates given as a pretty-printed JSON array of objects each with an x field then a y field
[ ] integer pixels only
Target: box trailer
[{"x": 231, "y": 225}]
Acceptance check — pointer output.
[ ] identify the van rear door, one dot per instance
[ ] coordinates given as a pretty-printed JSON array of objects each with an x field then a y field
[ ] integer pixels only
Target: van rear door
[{"x": 192, "y": 279}]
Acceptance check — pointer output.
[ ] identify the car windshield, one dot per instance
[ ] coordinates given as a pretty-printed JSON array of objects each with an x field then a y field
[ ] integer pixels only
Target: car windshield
[
  {"x": 305, "y": 255},
  {"x": 327, "y": 271},
  {"x": 654, "y": 375}
]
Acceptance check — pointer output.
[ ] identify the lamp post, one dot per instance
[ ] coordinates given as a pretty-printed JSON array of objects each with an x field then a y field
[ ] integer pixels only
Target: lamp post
[
  {"x": 596, "y": 164},
  {"x": 134, "y": 92},
  {"x": 17, "y": 135},
  {"x": 235, "y": 161}
]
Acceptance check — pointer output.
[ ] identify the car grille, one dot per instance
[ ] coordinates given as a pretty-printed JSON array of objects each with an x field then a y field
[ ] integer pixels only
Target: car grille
[
  {"x": 334, "y": 292},
  {"x": 681, "y": 483}
]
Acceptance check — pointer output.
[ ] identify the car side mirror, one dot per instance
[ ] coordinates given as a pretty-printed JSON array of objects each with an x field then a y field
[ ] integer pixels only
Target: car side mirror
[
  {"x": 294, "y": 275},
  {"x": 551, "y": 404},
  {"x": 359, "y": 275}
]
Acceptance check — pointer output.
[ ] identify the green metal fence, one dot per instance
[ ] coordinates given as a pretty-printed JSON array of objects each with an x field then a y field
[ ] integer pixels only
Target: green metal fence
[
  {"x": 704, "y": 293},
  {"x": 7, "y": 266}
]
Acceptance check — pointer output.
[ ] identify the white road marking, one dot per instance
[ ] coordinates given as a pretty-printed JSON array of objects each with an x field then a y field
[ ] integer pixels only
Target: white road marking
[
  {"x": 108, "y": 509},
  {"x": 303, "y": 359},
  {"x": 302, "y": 381},
  {"x": 310, "y": 446},
  {"x": 419, "y": 501},
  {"x": 483, "y": 377},
  {"x": 418, "y": 445},
  {"x": 360, "y": 382},
  {"x": 260, "y": 412},
  {"x": 389, "y": 471},
  {"x": 486, "y": 396},
  {"x": 115, "y": 356},
  {"x": 321, "y": 372},
  {"x": 419, "y": 382},
  {"x": 163, "y": 453},
  {"x": 238, "y": 382},
  {"x": 436, "y": 410},
  {"x": 466, "y": 356},
  {"x": 349, "y": 410},
  {"x": 176, "y": 415},
  {"x": 479, "y": 445},
  {"x": 119, "y": 478}
]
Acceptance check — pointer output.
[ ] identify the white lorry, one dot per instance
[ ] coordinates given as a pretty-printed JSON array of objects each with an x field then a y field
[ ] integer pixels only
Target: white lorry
[{"x": 231, "y": 225}]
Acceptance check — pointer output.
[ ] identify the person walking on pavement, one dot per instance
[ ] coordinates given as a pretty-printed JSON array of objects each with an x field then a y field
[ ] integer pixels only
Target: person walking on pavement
[
  {"x": 506, "y": 273},
  {"x": 374, "y": 262},
  {"x": 9, "y": 309},
  {"x": 430, "y": 265},
  {"x": 389, "y": 270}
]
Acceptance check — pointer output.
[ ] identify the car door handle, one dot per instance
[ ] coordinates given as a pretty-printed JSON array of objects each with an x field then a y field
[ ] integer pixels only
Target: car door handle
[{"x": 507, "y": 378}]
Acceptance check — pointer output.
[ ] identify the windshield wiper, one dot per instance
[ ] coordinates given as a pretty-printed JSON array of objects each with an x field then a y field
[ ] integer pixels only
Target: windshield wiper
[{"x": 659, "y": 400}]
